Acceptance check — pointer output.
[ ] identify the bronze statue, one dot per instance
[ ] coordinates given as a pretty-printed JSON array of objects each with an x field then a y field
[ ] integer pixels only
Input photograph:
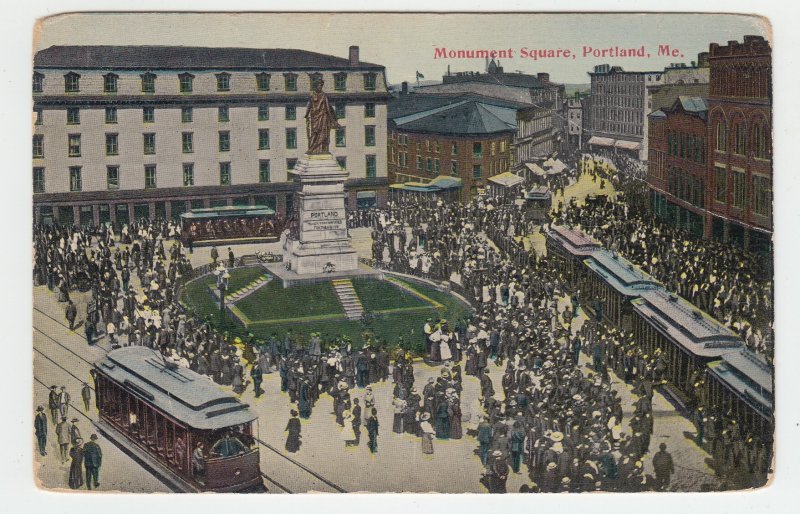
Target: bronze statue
[{"x": 320, "y": 120}]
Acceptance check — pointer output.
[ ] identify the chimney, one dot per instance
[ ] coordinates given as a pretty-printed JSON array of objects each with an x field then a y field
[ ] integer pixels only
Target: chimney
[
  {"x": 702, "y": 60},
  {"x": 404, "y": 88},
  {"x": 353, "y": 56},
  {"x": 544, "y": 77}
]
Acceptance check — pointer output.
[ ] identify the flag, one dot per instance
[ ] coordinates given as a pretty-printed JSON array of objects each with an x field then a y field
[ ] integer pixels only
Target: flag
[{"x": 420, "y": 75}]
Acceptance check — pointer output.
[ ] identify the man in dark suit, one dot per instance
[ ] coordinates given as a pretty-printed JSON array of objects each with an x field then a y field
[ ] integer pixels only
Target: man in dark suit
[
  {"x": 92, "y": 457},
  {"x": 52, "y": 404},
  {"x": 484, "y": 438},
  {"x": 40, "y": 425},
  {"x": 356, "y": 412}
]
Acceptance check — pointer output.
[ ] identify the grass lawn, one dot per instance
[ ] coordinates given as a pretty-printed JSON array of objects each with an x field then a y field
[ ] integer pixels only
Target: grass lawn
[
  {"x": 381, "y": 298},
  {"x": 244, "y": 276}
]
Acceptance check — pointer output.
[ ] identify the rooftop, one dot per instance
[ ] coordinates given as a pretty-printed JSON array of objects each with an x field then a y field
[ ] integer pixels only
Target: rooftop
[
  {"x": 467, "y": 115},
  {"x": 191, "y": 398},
  {"x": 620, "y": 273},
  {"x": 748, "y": 375},
  {"x": 189, "y": 58},
  {"x": 573, "y": 240}
]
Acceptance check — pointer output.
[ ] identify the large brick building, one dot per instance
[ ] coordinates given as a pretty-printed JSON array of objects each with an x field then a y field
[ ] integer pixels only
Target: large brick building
[
  {"x": 677, "y": 163},
  {"x": 125, "y": 132},
  {"x": 740, "y": 150},
  {"x": 466, "y": 136}
]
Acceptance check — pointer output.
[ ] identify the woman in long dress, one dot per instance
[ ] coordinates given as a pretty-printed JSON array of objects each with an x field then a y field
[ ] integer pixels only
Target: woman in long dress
[
  {"x": 427, "y": 433},
  {"x": 455, "y": 420},
  {"x": 76, "y": 466},
  {"x": 348, "y": 434},
  {"x": 444, "y": 348},
  {"x": 293, "y": 438}
]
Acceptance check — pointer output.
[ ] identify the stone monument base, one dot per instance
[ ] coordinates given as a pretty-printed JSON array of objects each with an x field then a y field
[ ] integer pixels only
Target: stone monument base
[{"x": 289, "y": 278}]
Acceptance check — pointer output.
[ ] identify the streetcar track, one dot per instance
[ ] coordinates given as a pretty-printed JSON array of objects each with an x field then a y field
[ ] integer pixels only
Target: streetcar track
[{"x": 258, "y": 440}]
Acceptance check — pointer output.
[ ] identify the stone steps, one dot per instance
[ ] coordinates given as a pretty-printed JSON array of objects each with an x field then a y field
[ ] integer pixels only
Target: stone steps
[
  {"x": 348, "y": 298},
  {"x": 248, "y": 289}
]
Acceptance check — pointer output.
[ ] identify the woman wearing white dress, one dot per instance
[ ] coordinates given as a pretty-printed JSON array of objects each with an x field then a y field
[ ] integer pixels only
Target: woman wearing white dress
[
  {"x": 427, "y": 433},
  {"x": 348, "y": 434}
]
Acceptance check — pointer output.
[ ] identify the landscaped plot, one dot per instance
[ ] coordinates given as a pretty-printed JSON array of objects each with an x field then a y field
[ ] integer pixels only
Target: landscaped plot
[
  {"x": 242, "y": 277},
  {"x": 273, "y": 302},
  {"x": 382, "y": 295}
]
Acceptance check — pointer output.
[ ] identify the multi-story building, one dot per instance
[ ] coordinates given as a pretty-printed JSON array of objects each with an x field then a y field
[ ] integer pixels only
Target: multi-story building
[
  {"x": 130, "y": 132},
  {"x": 679, "y": 79},
  {"x": 465, "y": 136},
  {"x": 740, "y": 153},
  {"x": 536, "y": 137},
  {"x": 618, "y": 112},
  {"x": 677, "y": 164},
  {"x": 574, "y": 119}
]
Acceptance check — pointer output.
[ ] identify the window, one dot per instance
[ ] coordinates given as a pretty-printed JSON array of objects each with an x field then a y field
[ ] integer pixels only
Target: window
[
  {"x": 262, "y": 81},
  {"x": 477, "y": 150},
  {"x": 223, "y": 114},
  {"x": 369, "y": 135},
  {"x": 149, "y": 176},
  {"x": 369, "y": 110},
  {"x": 263, "y": 139},
  {"x": 224, "y": 141},
  {"x": 291, "y": 138},
  {"x": 340, "y": 81},
  {"x": 370, "y": 81},
  {"x": 149, "y": 143},
  {"x": 223, "y": 81},
  {"x": 290, "y": 163},
  {"x": 419, "y": 163},
  {"x": 75, "y": 178},
  {"x": 291, "y": 112},
  {"x": 290, "y": 81},
  {"x": 73, "y": 116},
  {"x": 187, "y": 142},
  {"x": 738, "y": 189},
  {"x": 454, "y": 168},
  {"x": 263, "y": 171},
  {"x": 341, "y": 137},
  {"x": 476, "y": 171},
  {"x": 428, "y": 165},
  {"x": 74, "y": 145},
  {"x": 342, "y": 162},
  {"x": 38, "y": 146},
  {"x": 186, "y": 114},
  {"x": 760, "y": 142},
  {"x": 762, "y": 195},
  {"x": 721, "y": 136},
  {"x": 111, "y": 114},
  {"x": 148, "y": 114},
  {"x": 188, "y": 174},
  {"x": 38, "y": 113},
  {"x": 224, "y": 173},
  {"x": 112, "y": 177},
  {"x": 372, "y": 168},
  {"x": 263, "y": 112},
  {"x": 72, "y": 82},
  {"x": 437, "y": 166},
  {"x": 493, "y": 149},
  {"x": 339, "y": 109},
  {"x": 38, "y": 82},
  {"x": 455, "y": 149},
  {"x": 112, "y": 144},
  {"x": 185, "y": 82},
  {"x": 740, "y": 139},
  {"x": 110, "y": 83},
  {"x": 38, "y": 180},
  {"x": 148, "y": 83}
]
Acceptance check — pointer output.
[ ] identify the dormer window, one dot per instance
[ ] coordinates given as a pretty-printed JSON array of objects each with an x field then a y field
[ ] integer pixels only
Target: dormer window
[
  {"x": 370, "y": 81},
  {"x": 290, "y": 81},
  {"x": 185, "y": 82},
  {"x": 110, "y": 83},
  {"x": 223, "y": 81},
  {"x": 262, "y": 81},
  {"x": 340, "y": 81},
  {"x": 72, "y": 82}
]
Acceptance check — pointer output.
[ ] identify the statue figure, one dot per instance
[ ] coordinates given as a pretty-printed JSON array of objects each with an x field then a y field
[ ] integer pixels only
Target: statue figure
[{"x": 320, "y": 120}]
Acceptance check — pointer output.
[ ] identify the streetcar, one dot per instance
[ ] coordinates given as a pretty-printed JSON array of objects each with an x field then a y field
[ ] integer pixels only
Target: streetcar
[{"x": 178, "y": 423}]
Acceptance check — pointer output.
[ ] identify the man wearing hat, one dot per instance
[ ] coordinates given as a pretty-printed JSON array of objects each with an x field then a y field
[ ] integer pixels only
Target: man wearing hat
[
  {"x": 664, "y": 467},
  {"x": 497, "y": 474},
  {"x": 92, "y": 457},
  {"x": 86, "y": 396},
  {"x": 484, "y": 438},
  {"x": 63, "y": 402},
  {"x": 63, "y": 430},
  {"x": 40, "y": 427},
  {"x": 52, "y": 404}
]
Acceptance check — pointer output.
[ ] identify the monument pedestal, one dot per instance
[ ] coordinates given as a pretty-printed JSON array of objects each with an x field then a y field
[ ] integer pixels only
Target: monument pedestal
[{"x": 322, "y": 245}]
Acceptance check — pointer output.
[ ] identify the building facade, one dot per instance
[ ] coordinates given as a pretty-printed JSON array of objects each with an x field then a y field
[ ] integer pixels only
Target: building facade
[
  {"x": 740, "y": 133},
  {"x": 574, "y": 120},
  {"x": 536, "y": 137},
  {"x": 429, "y": 137},
  {"x": 677, "y": 164},
  {"x": 125, "y": 133}
]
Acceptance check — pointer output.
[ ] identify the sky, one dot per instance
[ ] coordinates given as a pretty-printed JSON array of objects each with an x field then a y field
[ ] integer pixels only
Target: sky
[{"x": 406, "y": 43}]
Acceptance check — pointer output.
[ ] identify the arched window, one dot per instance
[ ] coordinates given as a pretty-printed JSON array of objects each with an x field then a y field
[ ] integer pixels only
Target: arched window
[
  {"x": 721, "y": 136},
  {"x": 760, "y": 141},
  {"x": 740, "y": 138}
]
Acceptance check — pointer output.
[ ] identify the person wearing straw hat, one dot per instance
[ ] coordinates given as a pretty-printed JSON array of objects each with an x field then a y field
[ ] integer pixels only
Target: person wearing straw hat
[{"x": 427, "y": 433}]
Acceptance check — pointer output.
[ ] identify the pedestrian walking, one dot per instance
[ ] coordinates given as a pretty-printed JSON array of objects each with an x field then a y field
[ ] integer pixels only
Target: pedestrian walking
[
  {"x": 663, "y": 466},
  {"x": 92, "y": 458},
  {"x": 63, "y": 402},
  {"x": 231, "y": 258},
  {"x": 427, "y": 433},
  {"x": 76, "y": 465},
  {"x": 86, "y": 396},
  {"x": 52, "y": 404},
  {"x": 74, "y": 431},
  {"x": 293, "y": 438},
  {"x": 372, "y": 431},
  {"x": 71, "y": 313},
  {"x": 214, "y": 255},
  {"x": 63, "y": 430},
  {"x": 40, "y": 427}
]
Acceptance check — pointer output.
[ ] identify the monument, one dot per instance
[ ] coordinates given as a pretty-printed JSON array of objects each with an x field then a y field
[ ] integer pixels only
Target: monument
[{"x": 320, "y": 244}]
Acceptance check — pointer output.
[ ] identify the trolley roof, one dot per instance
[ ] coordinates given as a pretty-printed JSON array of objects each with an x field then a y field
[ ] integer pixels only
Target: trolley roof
[
  {"x": 686, "y": 325},
  {"x": 228, "y": 211},
  {"x": 748, "y": 375},
  {"x": 620, "y": 273},
  {"x": 183, "y": 394},
  {"x": 572, "y": 240}
]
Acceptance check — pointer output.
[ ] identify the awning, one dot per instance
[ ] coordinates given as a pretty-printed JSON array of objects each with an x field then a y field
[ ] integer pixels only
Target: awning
[
  {"x": 554, "y": 166},
  {"x": 535, "y": 168},
  {"x": 628, "y": 145},
  {"x": 601, "y": 141},
  {"x": 507, "y": 179},
  {"x": 365, "y": 194}
]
